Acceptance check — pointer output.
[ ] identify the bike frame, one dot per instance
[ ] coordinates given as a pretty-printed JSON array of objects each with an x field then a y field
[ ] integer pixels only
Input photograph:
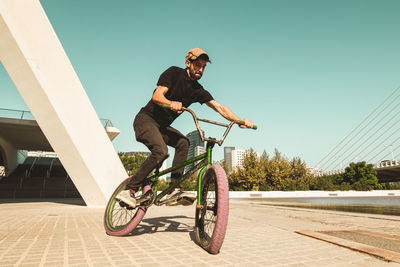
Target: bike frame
[{"x": 205, "y": 160}]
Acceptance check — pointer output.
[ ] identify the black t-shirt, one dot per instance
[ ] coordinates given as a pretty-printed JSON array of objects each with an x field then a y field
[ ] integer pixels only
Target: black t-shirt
[{"x": 180, "y": 88}]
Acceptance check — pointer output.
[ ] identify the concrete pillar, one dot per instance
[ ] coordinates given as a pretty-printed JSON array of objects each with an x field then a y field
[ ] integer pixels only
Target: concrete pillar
[{"x": 37, "y": 64}]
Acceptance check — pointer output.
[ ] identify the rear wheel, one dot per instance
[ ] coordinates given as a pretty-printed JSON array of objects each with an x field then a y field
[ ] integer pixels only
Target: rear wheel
[
  {"x": 212, "y": 217},
  {"x": 119, "y": 218}
]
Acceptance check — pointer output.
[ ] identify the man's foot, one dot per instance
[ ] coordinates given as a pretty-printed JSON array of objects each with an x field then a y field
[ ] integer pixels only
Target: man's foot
[
  {"x": 127, "y": 197},
  {"x": 146, "y": 199},
  {"x": 178, "y": 197}
]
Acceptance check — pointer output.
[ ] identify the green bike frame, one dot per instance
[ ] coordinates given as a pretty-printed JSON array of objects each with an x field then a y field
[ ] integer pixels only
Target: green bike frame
[{"x": 205, "y": 160}]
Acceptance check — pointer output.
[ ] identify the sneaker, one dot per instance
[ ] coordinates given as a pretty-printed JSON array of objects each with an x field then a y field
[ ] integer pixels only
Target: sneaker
[
  {"x": 147, "y": 199},
  {"x": 127, "y": 197},
  {"x": 178, "y": 197}
]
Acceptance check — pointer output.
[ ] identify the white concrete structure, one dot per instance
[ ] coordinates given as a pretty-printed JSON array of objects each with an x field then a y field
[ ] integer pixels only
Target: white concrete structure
[
  {"x": 37, "y": 64},
  {"x": 310, "y": 194}
]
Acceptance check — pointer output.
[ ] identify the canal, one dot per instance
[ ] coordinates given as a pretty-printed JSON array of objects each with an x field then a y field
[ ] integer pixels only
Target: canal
[{"x": 388, "y": 205}]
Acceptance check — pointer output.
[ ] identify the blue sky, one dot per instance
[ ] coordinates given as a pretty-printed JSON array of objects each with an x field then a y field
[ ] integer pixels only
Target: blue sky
[{"x": 306, "y": 72}]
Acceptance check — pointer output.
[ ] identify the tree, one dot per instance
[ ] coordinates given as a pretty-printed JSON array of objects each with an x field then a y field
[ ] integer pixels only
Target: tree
[
  {"x": 330, "y": 183},
  {"x": 276, "y": 170},
  {"x": 300, "y": 177},
  {"x": 361, "y": 176},
  {"x": 131, "y": 162},
  {"x": 250, "y": 175}
]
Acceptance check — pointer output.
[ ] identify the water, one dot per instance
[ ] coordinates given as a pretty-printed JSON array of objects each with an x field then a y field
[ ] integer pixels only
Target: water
[{"x": 374, "y": 205}]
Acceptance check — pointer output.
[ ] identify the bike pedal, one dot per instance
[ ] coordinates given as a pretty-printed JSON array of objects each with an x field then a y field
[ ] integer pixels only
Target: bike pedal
[
  {"x": 185, "y": 201},
  {"x": 146, "y": 200},
  {"x": 124, "y": 205}
]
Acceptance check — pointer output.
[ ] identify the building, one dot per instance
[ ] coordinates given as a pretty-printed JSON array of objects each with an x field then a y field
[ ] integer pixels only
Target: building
[
  {"x": 198, "y": 150},
  {"x": 196, "y": 147},
  {"x": 238, "y": 156},
  {"x": 317, "y": 171},
  {"x": 228, "y": 156}
]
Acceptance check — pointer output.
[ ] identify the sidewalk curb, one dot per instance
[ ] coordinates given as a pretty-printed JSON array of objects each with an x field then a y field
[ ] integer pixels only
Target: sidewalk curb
[{"x": 370, "y": 250}]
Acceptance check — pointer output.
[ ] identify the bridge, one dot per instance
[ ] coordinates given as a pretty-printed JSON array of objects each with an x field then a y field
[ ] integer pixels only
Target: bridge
[
  {"x": 20, "y": 131},
  {"x": 388, "y": 171},
  {"x": 375, "y": 140}
]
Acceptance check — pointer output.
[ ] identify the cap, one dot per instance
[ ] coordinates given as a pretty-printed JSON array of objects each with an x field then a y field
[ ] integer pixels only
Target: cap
[{"x": 194, "y": 53}]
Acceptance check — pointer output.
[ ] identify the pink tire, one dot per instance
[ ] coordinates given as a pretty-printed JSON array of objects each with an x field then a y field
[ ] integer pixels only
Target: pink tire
[
  {"x": 119, "y": 219},
  {"x": 212, "y": 215}
]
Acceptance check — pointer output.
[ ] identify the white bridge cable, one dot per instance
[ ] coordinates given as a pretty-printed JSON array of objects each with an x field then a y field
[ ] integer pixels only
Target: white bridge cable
[
  {"x": 382, "y": 158},
  {"x": 379, "y": 145},
  {"x": 334, "y": 156},
  {"x": 345, "y": 158},
  {"x": 397, "y": 156},
  {"x": 369, "y": 115},
  {"x": 383, "y": 149}
]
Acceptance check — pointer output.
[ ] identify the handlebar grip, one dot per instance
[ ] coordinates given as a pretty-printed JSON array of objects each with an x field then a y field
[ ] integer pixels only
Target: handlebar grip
[
  {"x": 242, "y": 123},
  {"x": 169, "y": 106}
]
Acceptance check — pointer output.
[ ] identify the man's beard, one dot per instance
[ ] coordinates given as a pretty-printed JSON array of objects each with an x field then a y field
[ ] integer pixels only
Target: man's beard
[{"x": 193, "y": 75}]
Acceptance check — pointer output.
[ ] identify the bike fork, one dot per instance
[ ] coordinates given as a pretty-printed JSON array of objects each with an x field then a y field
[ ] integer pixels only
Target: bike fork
[{"x": 201, "y": 173}]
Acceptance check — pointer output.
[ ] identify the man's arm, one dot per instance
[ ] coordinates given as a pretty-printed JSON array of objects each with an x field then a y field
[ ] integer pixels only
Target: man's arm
[
  {"x": 228, "y": 114},
  {"x": 160, "y": 99}
]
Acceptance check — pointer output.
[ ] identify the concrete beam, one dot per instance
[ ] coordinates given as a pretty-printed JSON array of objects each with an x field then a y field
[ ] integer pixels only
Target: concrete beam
[{"x": 37, "y": 64}]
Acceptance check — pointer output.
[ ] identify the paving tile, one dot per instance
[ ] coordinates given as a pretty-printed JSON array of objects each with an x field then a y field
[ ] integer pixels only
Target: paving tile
[{"x": 257, "y": 235}]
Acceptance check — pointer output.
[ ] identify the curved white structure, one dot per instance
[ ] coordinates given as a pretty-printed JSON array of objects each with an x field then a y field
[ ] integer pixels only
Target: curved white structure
[{"x": 37, "y": 64}]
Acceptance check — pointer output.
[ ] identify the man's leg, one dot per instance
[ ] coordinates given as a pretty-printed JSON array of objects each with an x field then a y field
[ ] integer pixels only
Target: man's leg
[
  {"x": 181, "y": 144},
  {"x": 176, "y": 139},
  {"x": 147, "y": 132}
]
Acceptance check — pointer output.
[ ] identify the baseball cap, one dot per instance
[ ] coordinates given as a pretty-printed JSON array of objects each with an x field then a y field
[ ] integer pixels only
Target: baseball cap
[{"x": 194, "y": 53}]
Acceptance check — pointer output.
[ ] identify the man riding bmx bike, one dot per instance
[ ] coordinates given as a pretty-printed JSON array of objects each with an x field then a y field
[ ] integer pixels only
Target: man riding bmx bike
[{"x": 177, "y": 88}]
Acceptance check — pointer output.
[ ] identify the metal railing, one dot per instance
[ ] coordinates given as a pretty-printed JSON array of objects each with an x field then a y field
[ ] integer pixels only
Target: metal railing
[
  {"x": 387, "y": 163},
  {"x": 27, "y": 115},
  {"x": 16, "y": 114},
  {"x": 106, "y": 123}
]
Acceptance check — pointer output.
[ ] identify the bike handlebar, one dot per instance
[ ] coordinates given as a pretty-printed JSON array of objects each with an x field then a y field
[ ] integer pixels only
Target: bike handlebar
[{"x": 196, "y": 119}]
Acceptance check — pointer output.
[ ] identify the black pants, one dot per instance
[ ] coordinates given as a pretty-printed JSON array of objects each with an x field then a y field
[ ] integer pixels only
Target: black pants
[{"x": 156, "y": 138}]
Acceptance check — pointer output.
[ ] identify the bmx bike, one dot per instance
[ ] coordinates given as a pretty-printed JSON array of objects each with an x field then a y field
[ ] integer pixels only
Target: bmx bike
[{"x": 212, "y": 205}]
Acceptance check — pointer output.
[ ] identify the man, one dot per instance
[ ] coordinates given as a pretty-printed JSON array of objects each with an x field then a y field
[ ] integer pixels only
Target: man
[{"x": 177, "y": 88}]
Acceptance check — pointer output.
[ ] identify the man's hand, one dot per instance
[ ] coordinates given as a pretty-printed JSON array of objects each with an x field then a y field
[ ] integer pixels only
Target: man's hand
[
  {"x": 247, "y": 124},
  {"x": 176, "y": 106}
]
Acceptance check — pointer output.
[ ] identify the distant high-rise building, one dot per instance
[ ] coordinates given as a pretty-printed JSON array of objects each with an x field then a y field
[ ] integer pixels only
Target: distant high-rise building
[
  {"x": 195, "y": 146},
  {"x": 228, "y": 156},
  {"x": 238, "y": 156},
  {"x": 198, "y": 150}
]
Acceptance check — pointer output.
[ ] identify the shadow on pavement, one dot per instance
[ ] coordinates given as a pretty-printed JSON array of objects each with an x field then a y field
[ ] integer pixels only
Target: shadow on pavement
[
  {"x": 68, "y": 201},
  {"x": 163, "y": 224}
]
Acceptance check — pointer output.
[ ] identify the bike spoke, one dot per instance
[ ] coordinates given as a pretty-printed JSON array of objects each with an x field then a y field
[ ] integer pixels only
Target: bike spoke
[{"x": 121, "y": 215}]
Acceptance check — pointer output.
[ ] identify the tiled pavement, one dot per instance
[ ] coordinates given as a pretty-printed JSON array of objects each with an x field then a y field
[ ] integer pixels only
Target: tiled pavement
[{"x": 57, "y": 234}]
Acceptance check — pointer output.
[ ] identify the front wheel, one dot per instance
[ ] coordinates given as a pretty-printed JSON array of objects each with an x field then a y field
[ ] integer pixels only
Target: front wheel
[
  {"x": 212, "y": 214},
  {"x": 119, "y": 218}
]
